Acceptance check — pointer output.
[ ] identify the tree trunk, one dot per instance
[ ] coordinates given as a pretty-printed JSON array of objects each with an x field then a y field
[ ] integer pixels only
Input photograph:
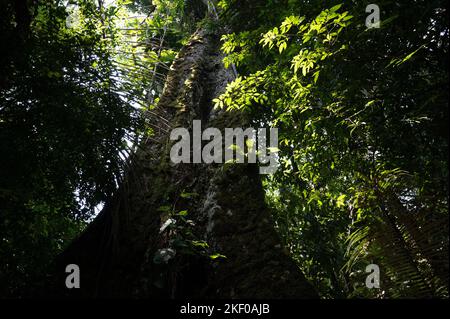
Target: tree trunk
[{"x": 121, "y": 254}]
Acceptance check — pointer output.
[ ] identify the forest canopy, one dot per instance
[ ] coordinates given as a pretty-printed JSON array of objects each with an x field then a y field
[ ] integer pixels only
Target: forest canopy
[{"x": 362, "y": 115}]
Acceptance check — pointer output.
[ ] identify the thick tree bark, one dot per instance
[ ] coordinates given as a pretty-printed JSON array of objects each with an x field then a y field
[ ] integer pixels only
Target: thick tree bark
[{"x": 116, "y": 254}]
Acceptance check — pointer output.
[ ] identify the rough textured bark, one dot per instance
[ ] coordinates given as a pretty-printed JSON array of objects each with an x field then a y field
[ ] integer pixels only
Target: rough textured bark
[{"x": 116, "y": 253}]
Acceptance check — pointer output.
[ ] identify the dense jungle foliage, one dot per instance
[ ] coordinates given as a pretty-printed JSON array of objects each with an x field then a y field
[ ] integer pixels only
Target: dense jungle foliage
[{"x": 362, "y": 115}]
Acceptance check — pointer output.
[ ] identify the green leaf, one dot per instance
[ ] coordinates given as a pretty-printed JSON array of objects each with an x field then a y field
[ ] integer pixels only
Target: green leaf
[
  {"x": 201, "y": 244},
  {"x": 183, "y": 213},
  {"x": 188, "y": 195},
  {"x": 336, "y": 7},
  {"x": 217, "y": 256},
  {"x": 282, "y": 46},
  {"x": 164, "y": 209}
]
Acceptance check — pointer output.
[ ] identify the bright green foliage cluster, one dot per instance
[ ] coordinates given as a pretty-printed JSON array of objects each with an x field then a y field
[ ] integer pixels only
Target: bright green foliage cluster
[{"x": 363, "y": 120}]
